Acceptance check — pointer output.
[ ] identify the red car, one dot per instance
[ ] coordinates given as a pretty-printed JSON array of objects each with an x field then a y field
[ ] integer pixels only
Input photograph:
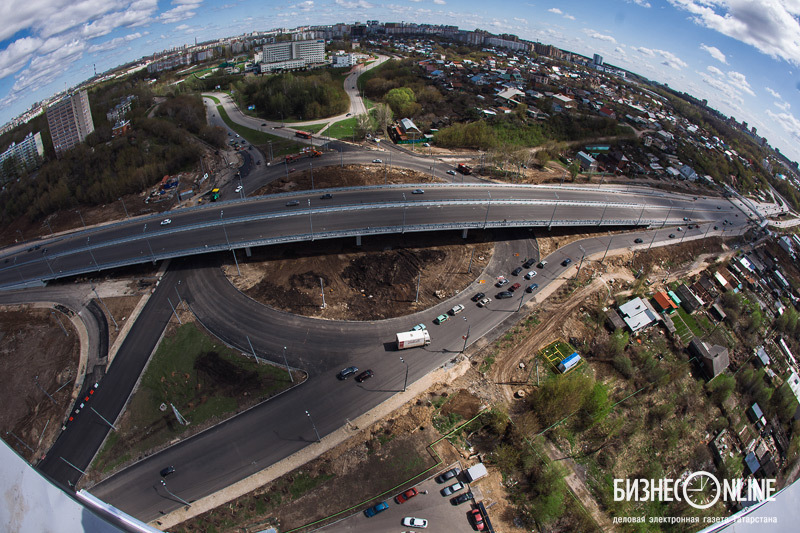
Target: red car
[
  {"x": 515, "y": 286},
  {"x": 407, "y": 495},
  {"x": 477, "y": 519}
]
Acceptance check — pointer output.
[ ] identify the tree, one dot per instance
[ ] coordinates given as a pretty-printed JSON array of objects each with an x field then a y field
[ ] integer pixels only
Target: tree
[
  {"x": 573, "y": 170},
  {"x": 383, "y": 114},
  {"x": 720, "y": 388},
  {"x": 402, "y": 101}
]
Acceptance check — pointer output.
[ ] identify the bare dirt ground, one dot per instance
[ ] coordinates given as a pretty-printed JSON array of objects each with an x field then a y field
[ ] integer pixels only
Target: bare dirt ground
[{"x": 35, "y": 356}]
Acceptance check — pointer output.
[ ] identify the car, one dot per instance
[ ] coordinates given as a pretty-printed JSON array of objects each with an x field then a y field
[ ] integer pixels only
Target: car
[
  {"x": 671, "y": 235},
  {"x": 263, "y": 123},
  {"x": 375, "y": 509},
  {"x": 718, "y": 207},
  {"x": 515, "y": 287},
  {"x": 292, "y": 203},
  {"x": 349, "y": 114},
  {"x": 456, "y": 309},
  {"x": 532, "y": 287},
  {"x": 638, "y": 241},
  {"x": 462, "y": 498},
  {"x": 326, "y": 196},
  {"x": 439, "y": 319},
  {"x": 231, "y": 135},
  {"x": 452, "y": 489},
  {"x": 542, "y": 264},
  {"x": 292, "y": 170},
  {"x": 530, "y": 275},
  {"x": 501, "y": 281},
  {"x": 451, "y": 172},
  {"x": 716, "y": 227},
  {"x": 166, "y": 221},
  {"x": 167, "y": 471},
  {"x": 478, "y": 296},
  {"x": 484, "y": 302},
  {"x": 347, "y": 372},
  {"x": 410, "y": 521},
  {"x": 377, "y": 161},
  {"x": 407, "y": 495},
  {"x": 477, "y": 519},
  {"x": 426, "y": 145},
  {"x": 450, "y": 474},
  {"x": 680, "y": 228},
  {"x": 685, "y": 219},
  {"x": 419, "y": 327},
  {"x": 566, "y": 262},
  {"x": 516, "y": 271},
  {"x": 417, "y": 191},
  {"x": 238, "y": 189},
  {"x": 529, "y": 263},
  {"x": 365, "y": 375},
  {"x": 503, "y": 295}
]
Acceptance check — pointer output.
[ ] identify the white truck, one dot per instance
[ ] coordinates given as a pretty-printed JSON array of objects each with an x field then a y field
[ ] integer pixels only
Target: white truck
[
  {"x": 474, "y": 473},
  {"x": 412, "y": 339}
]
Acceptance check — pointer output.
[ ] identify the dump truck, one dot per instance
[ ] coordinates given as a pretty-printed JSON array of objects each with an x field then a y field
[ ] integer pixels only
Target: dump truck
[
  {"x": 412, "y": 339},
  {"x": 464, "y": 169}
]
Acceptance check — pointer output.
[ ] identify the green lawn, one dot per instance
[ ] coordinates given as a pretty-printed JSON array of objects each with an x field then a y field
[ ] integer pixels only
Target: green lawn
[
  {"x": 183, "y": 372},
  {"x": 690, "y": 322},
  {"x": 280, "y": 145},
  {"x": 212, "y": 98},
  {"x": 312, "y": 128},
  {"x": 342, "y": 129}
]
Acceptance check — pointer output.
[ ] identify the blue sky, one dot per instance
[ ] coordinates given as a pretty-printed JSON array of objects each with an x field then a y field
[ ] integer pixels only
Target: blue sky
[{"x": 743, "y": 56}]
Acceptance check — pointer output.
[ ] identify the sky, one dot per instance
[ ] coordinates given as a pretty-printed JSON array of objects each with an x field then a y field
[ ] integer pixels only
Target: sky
[{"x": 743, "y": 56}]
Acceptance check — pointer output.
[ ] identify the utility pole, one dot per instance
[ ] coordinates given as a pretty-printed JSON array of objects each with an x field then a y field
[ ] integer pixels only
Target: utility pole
[
  {"x": 311, "y": 166},
  {"x": 604, "y": 214},
  {"x": 472, "y": 255},
  {"x": 668, "y": 212},
  {"x": 466, "y": 338},
  {"x": 419, "y": 279},
  {"x": 80, "y": 215},
  {"x": 640, "y": 216},
  {"x": 607, "y": 247},
  {"x": 258, "y": 361},
  {"x": 164, "y": 483},
  {"x": 554, "y": 213},
  {"x": 581, "y": 263},
  {"x": 313, "y": 426},
  {"x": 59, "y": 323},
  {"x": 405, "y": 383},
  {"x": 404, "y": 214},
  {"x": 123, "y": 207},
  {"x": 112, "y": 426},
  {"x": 288, "y": 370},
  {"x": 144, "y": 232},
  {"x": 488, "y": 203},
  {"x": 36, "y": 380},
  {"x": 92, "y": 254},
  {"x": 322, "y": 288},
  {"x": 116, "y": 326},
  {"x": 310, "y": 222},
  {"x": 175, "y": 312}
]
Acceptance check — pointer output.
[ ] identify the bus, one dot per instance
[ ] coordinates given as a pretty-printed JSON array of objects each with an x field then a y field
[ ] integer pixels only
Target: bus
[{"x": 302, "y": 134}]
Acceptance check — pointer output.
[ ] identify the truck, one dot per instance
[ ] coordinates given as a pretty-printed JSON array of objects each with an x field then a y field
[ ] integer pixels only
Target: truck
[
  {"x": 214, "y": 195},
  {"x": 412, "y": 339},
  {"x": 464, "y": 169},
  {"x": 569, "y": 362},
  {"x": 293, "y": 157},
  {"x": 474, "y": 473}
]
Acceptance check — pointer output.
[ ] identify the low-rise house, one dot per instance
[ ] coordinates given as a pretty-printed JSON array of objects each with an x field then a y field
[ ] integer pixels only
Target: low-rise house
[
  {"x": 689, "y": 301},
  {"x": 638, "y": 314},
  {"x": 586, "y": 161},
  {"x": 715, "y": 358}
]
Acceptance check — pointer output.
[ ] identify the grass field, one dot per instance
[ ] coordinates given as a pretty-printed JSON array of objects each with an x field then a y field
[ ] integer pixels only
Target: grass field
[
  {"x": 280, "y": 146},
  {"x": 342, "y": 129}
]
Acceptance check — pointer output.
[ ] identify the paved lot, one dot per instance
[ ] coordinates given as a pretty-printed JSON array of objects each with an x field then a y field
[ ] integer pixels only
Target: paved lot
[{"x": 442, "y": 516}]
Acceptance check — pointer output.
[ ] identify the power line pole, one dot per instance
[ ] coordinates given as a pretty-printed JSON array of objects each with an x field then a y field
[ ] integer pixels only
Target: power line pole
[
  {"x": 322, "y": 288},
  {"x": 285, "y": 362}
]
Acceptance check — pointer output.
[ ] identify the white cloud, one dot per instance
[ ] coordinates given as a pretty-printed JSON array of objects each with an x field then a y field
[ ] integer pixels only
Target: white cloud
[
  {"x": 771, "y": 26},
  {"x": 555, "y": 10},
  {"x": 308, "y": 5},
  {"x": 185, "y": 10},
  {"x": 740, "y": 80},
  {"x": 642, "y": 3},
  {"x": 599, "y": 36},
  {"x": 570, "y": 17},
  {"x": 785, "y": 106},
  {"x": 113, "y": 43},
  {"x": 788, "y": 122},
  {"x": 354, "y": 4},
  {"x": 439, "y": 2},
  {"x": 667, "y": 58},
  {"x": 714, "y": 70},
  {"x": 715, "y": 52},
  {"x": 17, "y": 54},
  {"x": 732, "y": 85},
  {"x": 774, "y": 93}
]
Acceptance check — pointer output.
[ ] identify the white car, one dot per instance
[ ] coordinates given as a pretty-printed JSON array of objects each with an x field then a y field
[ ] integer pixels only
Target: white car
[
  {"x": 166, "y": 221},
  {"x": 530, "y": 275},
  {"x": 456, "y": 309},
  {"x": 377, "y": 161},
  {"x": 238, "y": 189},
  {"x": 451, "y": 172},
  {"x": 410, "y": 521}
]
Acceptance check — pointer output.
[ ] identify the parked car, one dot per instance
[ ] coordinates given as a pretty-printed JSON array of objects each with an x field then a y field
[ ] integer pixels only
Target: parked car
[
  {"x": 478, "y": 296},
  {"x": 542, "y": 263},
  {"x": 452, "y": 489},
  {"x": 451, "y": 172},
  {"x": 166, "y": 221},
  {"x": 410, "y": 521},
  {"x": 456, "y": 309},
  {"x": 417, "y": 191},
  {"x": 450, "y": 474},
  {"x": 528, "y": 263},
  {"x": 326, "y": 196},
  {"x": 462, "y": 498},
  {"x": 477, "y": 519},
  {"x": 375, "y": 509},
  {"x": 515, "y": 287},
  {"x": 685, "y": 219},
  {"x": 671, "y": 235},
  {"x": 419, "y": 327},
  {"x": 238, "y": 188},
  {"x": 407, "y": 495},
  {"x": 292, "y": 203},
  {"x": 638, "y": 241},
  {"x": 439, "y": 319},
  {"x": 532, "y": 287},
  {"x": 377, "y": 161},
  {"x": 716, "y": 227},
  {"x": 484, "y": 302},
  {"x": 566, "y": 262},
  {"x": 167, "y": 471},
  {"x": 365, "y": 375},
  {"x": 516, "y": 271},
  {"x": 347, "y": 372},
  {"x": 501, "y": 281},
  {"x": 530, "y": 275},
  {"x": 503, "y": 295}
]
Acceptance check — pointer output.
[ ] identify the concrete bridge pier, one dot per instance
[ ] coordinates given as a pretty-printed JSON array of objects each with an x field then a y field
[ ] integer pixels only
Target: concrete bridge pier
[
  {"x": 464, "y": 233},
  {"x": 358, "y": 240}
]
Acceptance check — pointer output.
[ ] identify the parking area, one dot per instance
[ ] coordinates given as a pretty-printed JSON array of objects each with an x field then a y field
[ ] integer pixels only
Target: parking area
[{"x": 428, "y": 504}]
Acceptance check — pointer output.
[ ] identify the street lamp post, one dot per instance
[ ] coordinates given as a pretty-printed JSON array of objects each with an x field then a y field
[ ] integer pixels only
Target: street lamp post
[
  {"x": 91, "y": 253},
  {"x": 466, "y": 337},
  {"x": 313, "y": 426},
  {"x": 164, "y": 484},
  {"x": 80, "y": 215},
  {"x": 488, "y": 203},
  {"x": 310, "y": 222},
  {"x": 581, "y": 263},
  {"x": 607, "y": 247},
  {"x": 125, "y": 208},
  {"x": 404, "y": 213},
  {"x": 668, "y": 212},
  {"x": 405, "y": 383},
  {"x": 604, "y": 212},
  {"x": 287, "y": 365},
  {"x": 554, "y": 213},
  {"x": 144, "y": 232}
]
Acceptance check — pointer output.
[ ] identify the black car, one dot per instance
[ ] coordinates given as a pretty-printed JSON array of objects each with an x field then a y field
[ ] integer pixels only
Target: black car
[
  {"x": 478, "y": 296},
  {"x": 292, "y": 203},
  {"x": 450, "y": 474},
  {"x": 529, "y": 263},
  {"x": 516, "y": 271},
  {"x": 638, "y": 241},
  {"x": 462, "y": 498},
  {"x": 566, "y": 262},
  {"x": 504, "y": 294},
  {"x": 167, "y": 471},
  {"x": 532, "y": 287},
  {"x": 347, "y": 372},
  {"x": 365, "y": 375},
  {"x": 671, "y": 235},
  {"x": 326, "y": 196}
]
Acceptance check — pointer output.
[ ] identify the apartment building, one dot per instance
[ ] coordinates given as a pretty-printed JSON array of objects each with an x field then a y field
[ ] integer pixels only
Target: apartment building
[
  {"x": 21, "y": 157},
  {"x": 293, "y": 53},
  {"x": 70, "y": 121}
]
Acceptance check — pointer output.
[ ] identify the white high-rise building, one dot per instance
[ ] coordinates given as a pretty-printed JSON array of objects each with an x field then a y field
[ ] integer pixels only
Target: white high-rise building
[
  {"x": 25, "y": 155},
  {"x": 309, "y": 52},
  {"x": 70, "y": 121}
]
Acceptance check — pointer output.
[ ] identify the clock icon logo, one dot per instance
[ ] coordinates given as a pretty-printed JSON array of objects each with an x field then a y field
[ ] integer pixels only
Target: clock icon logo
[{"x": 701, "y": 490}]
